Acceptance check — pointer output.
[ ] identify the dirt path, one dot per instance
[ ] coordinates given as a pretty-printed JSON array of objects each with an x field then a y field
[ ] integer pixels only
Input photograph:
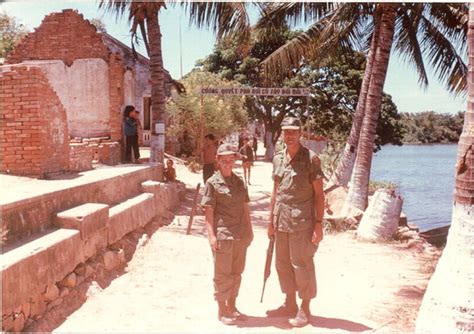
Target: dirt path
[{"x": 167, "y": 286}]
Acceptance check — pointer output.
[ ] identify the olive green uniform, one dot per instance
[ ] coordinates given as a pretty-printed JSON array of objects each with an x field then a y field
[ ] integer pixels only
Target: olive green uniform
[
  {"x": 228, "y": 196},
  {"x": 294, "y": 218}
]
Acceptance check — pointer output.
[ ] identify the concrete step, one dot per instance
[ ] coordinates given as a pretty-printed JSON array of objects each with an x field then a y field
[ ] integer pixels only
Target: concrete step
[{"x": 130, "y": 215}]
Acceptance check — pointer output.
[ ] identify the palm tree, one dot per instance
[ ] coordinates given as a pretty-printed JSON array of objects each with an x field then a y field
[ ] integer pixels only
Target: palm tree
[
  {"x": 144, "y": 16},
  {"x": 224, "y": 18},
  {"x": 448, "y": 304},
  {"x": 433, "y": 29}
]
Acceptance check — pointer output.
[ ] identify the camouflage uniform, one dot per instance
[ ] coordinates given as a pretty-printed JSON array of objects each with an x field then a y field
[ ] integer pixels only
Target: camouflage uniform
[
  {"x": 227, "y": 197},
  {"x": 293, "y": 218}
]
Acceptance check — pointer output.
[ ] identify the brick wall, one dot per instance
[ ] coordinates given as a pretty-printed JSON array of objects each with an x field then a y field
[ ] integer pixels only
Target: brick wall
[
  {"x": 65, "y": 35},
  {"x": 84, "y": 152},
  {"x": 116, "y": 74},
  {"x": 33, "y": 135},
  {"x": 81, "y": 156}
]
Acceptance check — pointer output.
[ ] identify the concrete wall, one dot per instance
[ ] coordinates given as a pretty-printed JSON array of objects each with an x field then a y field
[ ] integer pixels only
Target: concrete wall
[{"x": 80, "y": 88}]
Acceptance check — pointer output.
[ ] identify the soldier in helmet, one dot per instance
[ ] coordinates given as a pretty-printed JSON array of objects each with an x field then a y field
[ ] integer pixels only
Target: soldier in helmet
[
  {"x": 296, "y": 213},
  {"x": 229, "y": 229}
]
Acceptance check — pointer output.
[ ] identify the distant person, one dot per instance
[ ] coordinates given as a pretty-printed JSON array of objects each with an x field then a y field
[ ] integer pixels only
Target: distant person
[
  {"x": 255, "y": 147},
  {"x": 209, "y": 150},
  {"x": 170, "y": 172},
  {"x": 246, "y": 153},
  {"x": 229, "y": 230},
  {"x": 296, "y": 216},
  {"x": 130, "y": 130}
]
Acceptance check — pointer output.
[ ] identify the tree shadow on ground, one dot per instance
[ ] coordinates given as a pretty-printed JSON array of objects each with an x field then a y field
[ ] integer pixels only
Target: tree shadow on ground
[{"x": 315, "y": 321}]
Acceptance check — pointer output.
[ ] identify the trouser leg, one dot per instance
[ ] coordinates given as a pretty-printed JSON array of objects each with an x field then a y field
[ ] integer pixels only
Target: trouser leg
[
  {"x": 128, "y": 148},
  {"x": 239, "y": 253},
  {"x": 223, "y": 277},
  {"x": 136, "y": 149},
  {"x": 301, "y": 254},
  {"x": 286, "y": 274}
]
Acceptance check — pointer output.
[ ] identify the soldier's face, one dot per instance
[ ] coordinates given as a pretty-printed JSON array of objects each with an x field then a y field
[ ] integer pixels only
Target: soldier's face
[
  {"x": 226, "y": 163},
  {"x": 291, "y": 137}
]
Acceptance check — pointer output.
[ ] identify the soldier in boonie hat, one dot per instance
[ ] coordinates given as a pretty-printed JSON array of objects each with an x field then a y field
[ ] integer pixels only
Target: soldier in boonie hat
[
  {"x": 291, "y": 123},
  {"x": 229, "y": 231},
  {"x": 226, "y": 149}
]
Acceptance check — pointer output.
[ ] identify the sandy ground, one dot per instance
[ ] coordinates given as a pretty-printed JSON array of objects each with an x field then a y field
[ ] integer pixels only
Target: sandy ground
[{"x": 167, "y": 286}]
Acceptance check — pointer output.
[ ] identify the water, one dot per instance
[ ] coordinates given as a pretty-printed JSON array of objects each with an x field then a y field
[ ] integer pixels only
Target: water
[{"x": 425, "y": 177}]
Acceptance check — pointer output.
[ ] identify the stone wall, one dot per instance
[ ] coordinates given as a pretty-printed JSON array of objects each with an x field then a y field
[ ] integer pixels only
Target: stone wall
[
  {"x": 34, "y": 134},
  {"x": 91, "y": 238}
]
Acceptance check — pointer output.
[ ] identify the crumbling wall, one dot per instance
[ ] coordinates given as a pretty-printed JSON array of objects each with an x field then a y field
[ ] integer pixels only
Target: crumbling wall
[
  {"x": 66, "y": 36},
  {"x": 34, "y": 135}
]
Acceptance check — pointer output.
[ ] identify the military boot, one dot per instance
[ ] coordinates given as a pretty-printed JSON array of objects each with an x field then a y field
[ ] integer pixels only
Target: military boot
[
  {"x": 234, "y": 311},
  {"x": 224, "y": 315},
  {"x": 288, "y": 309}
]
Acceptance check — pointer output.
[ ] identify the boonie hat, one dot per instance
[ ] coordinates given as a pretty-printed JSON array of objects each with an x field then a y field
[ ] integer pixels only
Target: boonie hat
[
  {"x": 291, "y": 123},
  {"x": 226, "y": 149}
]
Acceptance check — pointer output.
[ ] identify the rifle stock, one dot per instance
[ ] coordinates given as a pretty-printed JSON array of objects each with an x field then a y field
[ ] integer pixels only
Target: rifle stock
[{"x": 268, "y": 264}]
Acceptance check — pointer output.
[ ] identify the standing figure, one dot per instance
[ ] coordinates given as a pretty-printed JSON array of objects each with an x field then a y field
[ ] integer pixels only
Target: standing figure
[
  {"x": 254, "y": 146},
  {"x": 296, "y": 214},
  {"x": 170, "y": 172},
  {"x": 209, "y": 156},
  {"x": 130, "y": 130},
  {"x": 246, "y": 153},
  {"x": 229, "y": 230}
]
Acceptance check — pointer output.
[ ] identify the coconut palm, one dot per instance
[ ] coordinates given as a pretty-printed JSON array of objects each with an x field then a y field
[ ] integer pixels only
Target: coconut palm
[
  {"x": 414, "y": 29},
  {"x": 224, "y": 18},
  {"x": 448, "y": 304},
  {"x": 144, "y": 16}
]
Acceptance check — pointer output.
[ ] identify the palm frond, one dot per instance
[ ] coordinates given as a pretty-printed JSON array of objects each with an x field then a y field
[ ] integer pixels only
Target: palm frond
[
  {"x": 406, "y": 44},
  {"x": 274, "y": 14},
  {"x": 226, "y": 19},
  {"x": 336, "y": 32},
  {"x": 447, "y": 62}
]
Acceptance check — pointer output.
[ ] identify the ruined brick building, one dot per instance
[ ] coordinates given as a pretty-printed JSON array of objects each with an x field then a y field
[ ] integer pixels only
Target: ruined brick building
[{"x": 62, "y": 92}]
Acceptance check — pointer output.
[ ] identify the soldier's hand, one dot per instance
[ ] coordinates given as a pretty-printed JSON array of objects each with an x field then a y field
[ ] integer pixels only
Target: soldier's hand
[
  {"x": 318, "y": 234},
  {"x": 213, "y": 243},
  {"x": 270, "y": 230}
]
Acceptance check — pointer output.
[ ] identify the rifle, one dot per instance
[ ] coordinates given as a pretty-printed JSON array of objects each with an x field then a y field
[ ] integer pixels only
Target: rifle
[{"x": 268, "y": 264}]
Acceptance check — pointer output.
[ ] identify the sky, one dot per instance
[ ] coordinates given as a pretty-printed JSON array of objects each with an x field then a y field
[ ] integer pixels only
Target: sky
[{"x": 401, "y": 82}]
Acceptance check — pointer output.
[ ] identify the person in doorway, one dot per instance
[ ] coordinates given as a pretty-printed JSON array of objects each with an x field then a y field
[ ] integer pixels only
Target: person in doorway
[
  {"x": 246, "y": 153},
  {"x": 209, "y": 156},
  {"x": 296, "y": 215},
  {"x": 130, "y": 130},
  {"x": 229, "y": 230}
]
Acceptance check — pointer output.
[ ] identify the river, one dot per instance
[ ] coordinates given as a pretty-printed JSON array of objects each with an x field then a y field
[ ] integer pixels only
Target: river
[{"x": 425, "y": 178}]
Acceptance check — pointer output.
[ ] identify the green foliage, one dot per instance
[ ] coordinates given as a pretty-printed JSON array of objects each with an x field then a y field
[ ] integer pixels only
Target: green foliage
[
  {"x": 11, "y": 32},
  {"x": 430, "y": 127},
  {"x": 335, "y": 90},
  {"x": 228, "y": 62},
  {"x": 221, "y": 115},
  {"x": 336, "y": 86}
]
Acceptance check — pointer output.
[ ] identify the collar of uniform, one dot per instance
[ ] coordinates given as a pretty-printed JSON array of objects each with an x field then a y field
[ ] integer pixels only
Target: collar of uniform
[
  {"x": 219, "y": 178},
  {"x": 295, "y": 158}
]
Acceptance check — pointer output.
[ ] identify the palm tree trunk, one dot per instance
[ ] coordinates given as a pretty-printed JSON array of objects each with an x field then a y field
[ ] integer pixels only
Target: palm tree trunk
[
  {"x": 359, "y": 186},
  {"x": 158, "y": 97},
  {"x": 343, "y": 172},
  {"x": 448, "y": 304}
]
